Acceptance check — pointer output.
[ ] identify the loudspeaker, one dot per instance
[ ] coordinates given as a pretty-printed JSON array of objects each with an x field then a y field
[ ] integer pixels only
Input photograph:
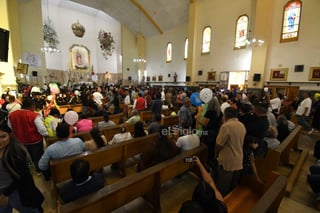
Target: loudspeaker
[
  {"x": 200, "y": 72},
  {"x": 298, "y": 68},
  {"x": 34, "y": 73},
  {"x": 256, "y": 77},
  {"x": 4, "y": 45},
  {"x": 187, "y": 78},
  {"x": 129, "y": 78}
]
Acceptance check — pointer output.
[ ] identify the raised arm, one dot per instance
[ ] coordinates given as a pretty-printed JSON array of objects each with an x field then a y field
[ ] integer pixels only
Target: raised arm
[{"x": 207, "y": 178}]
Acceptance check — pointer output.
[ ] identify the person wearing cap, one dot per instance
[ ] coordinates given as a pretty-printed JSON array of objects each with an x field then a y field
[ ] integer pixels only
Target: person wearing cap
[{"x": 28, "y": 128}]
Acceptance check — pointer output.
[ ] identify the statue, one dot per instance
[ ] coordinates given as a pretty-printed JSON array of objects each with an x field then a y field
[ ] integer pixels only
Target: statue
[{"x": 175, "y": 77}]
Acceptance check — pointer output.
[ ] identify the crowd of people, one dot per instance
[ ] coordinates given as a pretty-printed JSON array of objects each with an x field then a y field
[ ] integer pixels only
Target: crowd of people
[{"x": 235, "y": 126}]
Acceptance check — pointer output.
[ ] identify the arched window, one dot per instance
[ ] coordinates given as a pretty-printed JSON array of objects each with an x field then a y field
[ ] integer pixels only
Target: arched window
[
  {"x": 169, "y": 52},
  {"x": 241, "y": 32},
  {"x": 291, "y": 21},
  {"x": 206, "y": 40},
  {"x": 186, "y": 48}
]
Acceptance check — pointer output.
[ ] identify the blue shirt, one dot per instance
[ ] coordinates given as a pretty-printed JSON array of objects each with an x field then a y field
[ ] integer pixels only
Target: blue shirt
[{"x": 61, "y": 149}]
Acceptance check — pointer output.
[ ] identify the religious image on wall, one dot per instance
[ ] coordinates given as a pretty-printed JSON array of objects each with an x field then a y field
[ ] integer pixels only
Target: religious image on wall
[{"x": 80, "y": 57}]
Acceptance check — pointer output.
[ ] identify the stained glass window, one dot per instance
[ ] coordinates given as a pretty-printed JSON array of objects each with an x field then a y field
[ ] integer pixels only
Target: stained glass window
[
  {"x": 206, "y": 39},
  {"x": 241, "y": 32},
  {"x": 291, "y": 21},
  {"x": 186, "y": 48},
  {"x": 169, "y": 52}
]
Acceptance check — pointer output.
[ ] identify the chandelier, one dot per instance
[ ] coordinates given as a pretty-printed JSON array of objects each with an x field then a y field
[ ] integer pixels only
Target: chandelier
[
  {"x": 50, "y": 35},
  {"x": 50, "y": 49},
  {"x": 139, "y": 60},
  {"x": 254, "y": 42}
]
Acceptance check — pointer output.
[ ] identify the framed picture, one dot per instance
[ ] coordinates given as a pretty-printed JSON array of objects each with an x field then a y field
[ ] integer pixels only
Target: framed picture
[
  {"x": 22, "y": 68},
  {"x": 79, "y": 57},
  {"x": 148, "y": 78},
  {"x": 160, "y": 78},
  {"x": 211, "y": 76},
  {"x": 279, "y": 74},
  {"x": 154, "y": 78},
  {"x": 314, "y": 74}
]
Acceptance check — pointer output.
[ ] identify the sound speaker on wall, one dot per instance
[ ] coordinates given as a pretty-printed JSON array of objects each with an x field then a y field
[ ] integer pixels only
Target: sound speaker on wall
[
  {"x": 34, "y": 73},
  {"x": 187, "y": 78},
  {"x": 298, "y": 68},
  {"x": 256, "y": 77},
  {"x": 200, "y": 72},
  {"x": 4, "y": 45}
]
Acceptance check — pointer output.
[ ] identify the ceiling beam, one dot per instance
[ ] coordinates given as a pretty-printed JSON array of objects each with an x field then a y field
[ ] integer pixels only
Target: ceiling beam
[{"x": 141, "y": 8}]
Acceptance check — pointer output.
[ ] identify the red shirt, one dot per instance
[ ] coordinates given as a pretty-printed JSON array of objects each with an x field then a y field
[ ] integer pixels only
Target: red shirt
[
  {"x": 140, "y": 104},
  {"x": 24, "y": 129}
]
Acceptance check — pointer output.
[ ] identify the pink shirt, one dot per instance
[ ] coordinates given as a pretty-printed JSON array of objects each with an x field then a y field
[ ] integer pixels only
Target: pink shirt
[{"x": 84, "y": 125}]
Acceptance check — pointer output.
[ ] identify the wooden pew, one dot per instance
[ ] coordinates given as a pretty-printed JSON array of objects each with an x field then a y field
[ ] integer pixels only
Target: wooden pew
[
  {"x": 115, "y": 118},
  {"x": 75, "y": 107},
  {"x": 146, "y": 116},
  {"x": 170, "y": 120},
  {"x": 252, "y": 196},
  {"x": 280, "y": 156},
  {"x": 290, "y": 142},
  {"x": 146, "y": 183},
  {"x": 107, "y": 132},
  {"x": 102, "y": 157}
]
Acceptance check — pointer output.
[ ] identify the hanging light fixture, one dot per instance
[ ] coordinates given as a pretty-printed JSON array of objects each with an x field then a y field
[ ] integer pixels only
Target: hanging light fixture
[
  {"x": 139, "y": 60},
  {"x": 254, "y": 42},
  {"x": 50, "y": 35}
]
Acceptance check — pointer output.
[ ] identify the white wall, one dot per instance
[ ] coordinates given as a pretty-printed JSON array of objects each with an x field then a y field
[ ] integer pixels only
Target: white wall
[
  {"x": 63, "y": 16},
  {"x": 156, "y": 48},
  {"x": 305, "y": 51}
]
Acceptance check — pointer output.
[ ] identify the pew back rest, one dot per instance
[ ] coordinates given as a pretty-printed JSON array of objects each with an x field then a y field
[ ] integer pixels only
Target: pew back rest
[
  {"x": 290, "y": 142},
  {"x": 126, "y": 189},
  {"x": 252, "y": 196},
  {"x": 170, "y": 120},
  {"x": 115, "y": 118},
  {"x": 146, "y": 116},
  {"x": 102, "y": 157}
]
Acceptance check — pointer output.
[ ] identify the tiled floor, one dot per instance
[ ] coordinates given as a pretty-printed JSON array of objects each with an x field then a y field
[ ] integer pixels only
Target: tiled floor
[{"x": 180, "y": 189}]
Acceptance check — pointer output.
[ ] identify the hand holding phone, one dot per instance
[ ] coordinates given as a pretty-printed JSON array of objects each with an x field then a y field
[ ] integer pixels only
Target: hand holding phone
[{"x": 189, "y": 159}]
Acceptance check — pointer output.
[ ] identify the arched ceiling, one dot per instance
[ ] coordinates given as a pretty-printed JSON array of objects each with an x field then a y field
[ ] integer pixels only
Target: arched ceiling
[{"x": 150, "y": 17}]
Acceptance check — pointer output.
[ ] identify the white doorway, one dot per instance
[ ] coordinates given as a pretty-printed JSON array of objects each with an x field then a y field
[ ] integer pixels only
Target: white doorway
[{"x": 238, "y": 80}]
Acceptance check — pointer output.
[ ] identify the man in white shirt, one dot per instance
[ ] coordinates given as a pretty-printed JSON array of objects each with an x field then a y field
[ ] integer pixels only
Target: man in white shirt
[
  {"x": 188, "y": 141},
  {"x": 275, "y": 104},
  {"x": 97, "y": 96},
  {"x": 303, "y": 112}
]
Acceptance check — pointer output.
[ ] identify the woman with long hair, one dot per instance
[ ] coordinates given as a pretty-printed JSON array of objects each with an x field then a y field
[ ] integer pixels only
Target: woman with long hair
[
  {"x": 17, "y": 188},
  {"x": 139, "y": 130},
  {"x": 97, "y": 140}
]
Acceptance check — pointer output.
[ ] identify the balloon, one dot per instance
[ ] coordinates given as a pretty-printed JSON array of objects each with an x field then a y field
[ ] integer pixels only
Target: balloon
[
  {"x": 76, "y": 92},
  {"x": 71, "y": 117},
  {"x": 206, "y": 95},
  {"x": 195, "y": 99},
  {"x": 54, "y": 88}
]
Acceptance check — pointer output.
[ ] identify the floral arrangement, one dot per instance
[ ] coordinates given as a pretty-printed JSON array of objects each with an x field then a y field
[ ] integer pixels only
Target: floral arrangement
[
  {"x": 106, "y": 43},
  {"x": 49, "y": 34}
]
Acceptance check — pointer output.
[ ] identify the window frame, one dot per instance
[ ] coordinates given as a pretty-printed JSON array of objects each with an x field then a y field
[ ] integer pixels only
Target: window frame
[
  {"x": 203, "y": 38},
  {"x": 186, "y": 46},
  {"x": 235, "y": 47},
  {"x": 296, "y": 38},
  {"x": 169, "y": 60}
]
